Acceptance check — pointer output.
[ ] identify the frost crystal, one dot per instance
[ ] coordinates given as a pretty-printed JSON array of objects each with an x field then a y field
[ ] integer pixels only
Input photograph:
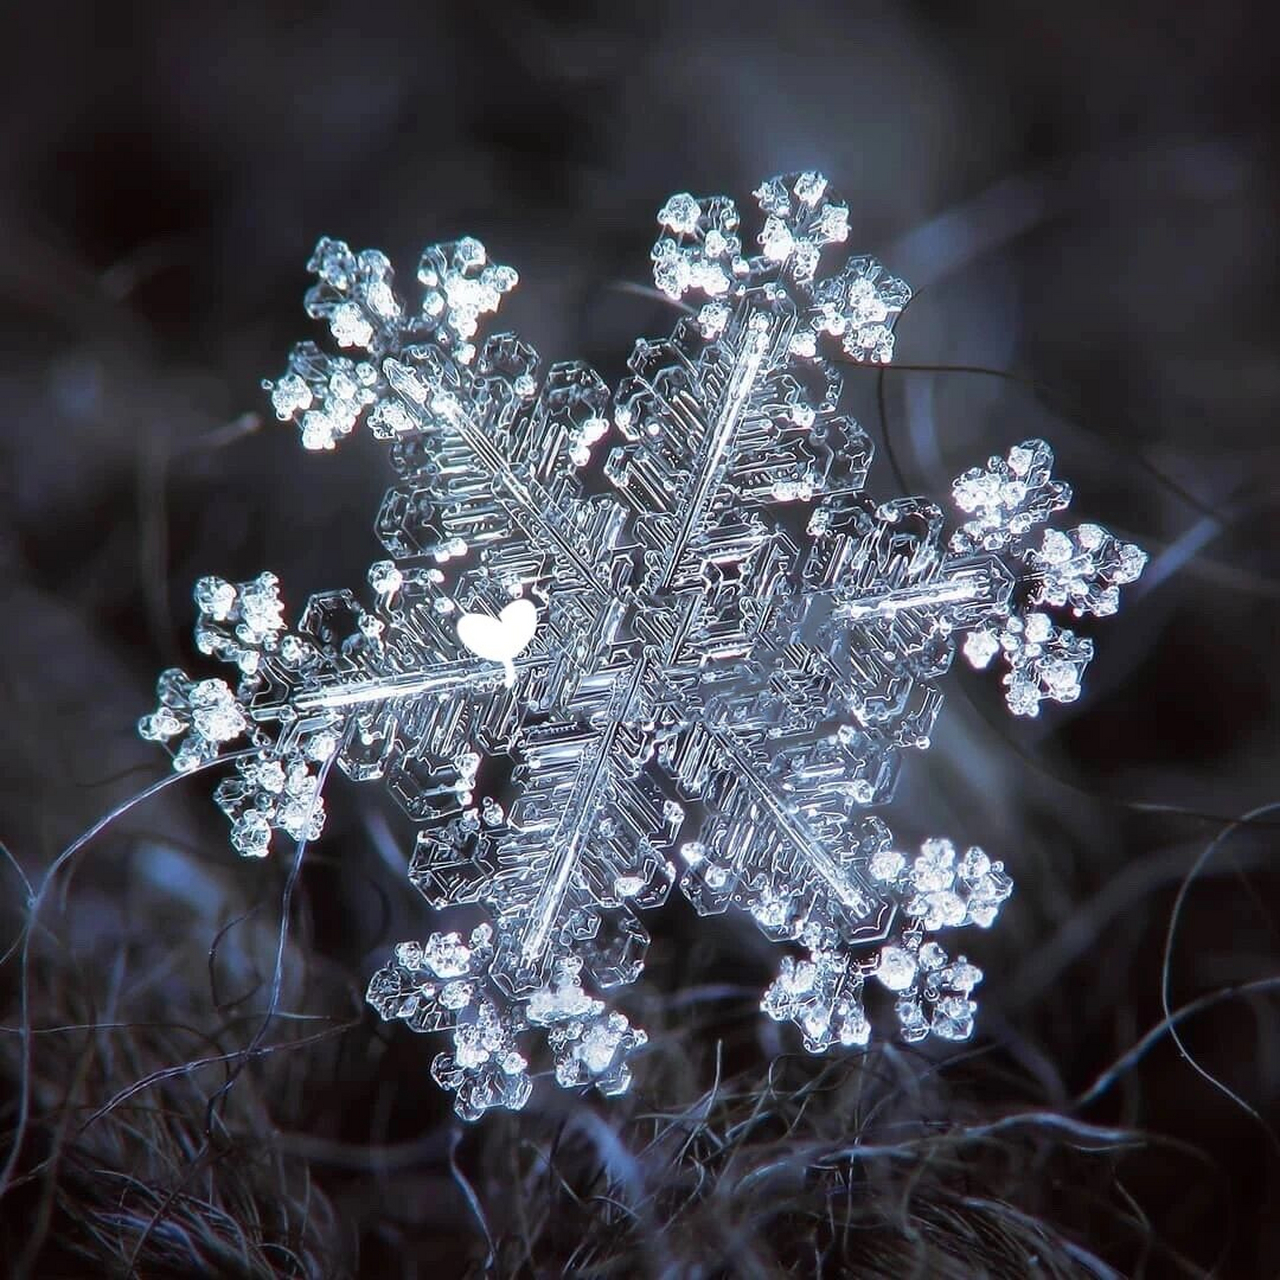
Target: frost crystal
[{"x": 674, "y": 608}]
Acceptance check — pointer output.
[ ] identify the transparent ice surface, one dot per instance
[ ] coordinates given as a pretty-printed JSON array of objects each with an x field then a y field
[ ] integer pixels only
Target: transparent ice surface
[{"x": 675, "y": 608}]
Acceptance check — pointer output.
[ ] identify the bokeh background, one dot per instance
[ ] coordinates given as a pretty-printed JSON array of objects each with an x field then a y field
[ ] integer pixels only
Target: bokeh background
[{"x": 1084, "y": 198}]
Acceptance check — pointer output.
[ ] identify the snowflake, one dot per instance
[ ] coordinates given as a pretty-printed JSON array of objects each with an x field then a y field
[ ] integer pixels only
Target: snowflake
[{"x": 675, "y": 609}]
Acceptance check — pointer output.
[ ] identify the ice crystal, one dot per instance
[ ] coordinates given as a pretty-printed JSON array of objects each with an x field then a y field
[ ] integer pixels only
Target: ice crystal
[{"x": 674, "y": 607}]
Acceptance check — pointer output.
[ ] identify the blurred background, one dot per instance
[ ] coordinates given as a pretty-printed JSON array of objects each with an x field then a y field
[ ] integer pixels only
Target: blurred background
[{"x": 1084, "y": 198}]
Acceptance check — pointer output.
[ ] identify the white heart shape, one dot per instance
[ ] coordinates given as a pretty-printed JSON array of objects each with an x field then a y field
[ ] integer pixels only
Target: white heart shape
[{"x": 502, "y": 638}]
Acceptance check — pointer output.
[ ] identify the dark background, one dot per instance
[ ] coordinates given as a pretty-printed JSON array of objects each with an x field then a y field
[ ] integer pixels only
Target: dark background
[{"x": 1083, "y": 196}]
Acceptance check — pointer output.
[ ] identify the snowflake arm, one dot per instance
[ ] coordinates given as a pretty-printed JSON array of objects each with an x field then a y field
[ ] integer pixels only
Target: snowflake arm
[
  {"x": 442, "y": 985},
  {"x": 700, "y": 250},
  {"x": 1083, "y": 569},
  {"x": 824, "y": 994}
]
